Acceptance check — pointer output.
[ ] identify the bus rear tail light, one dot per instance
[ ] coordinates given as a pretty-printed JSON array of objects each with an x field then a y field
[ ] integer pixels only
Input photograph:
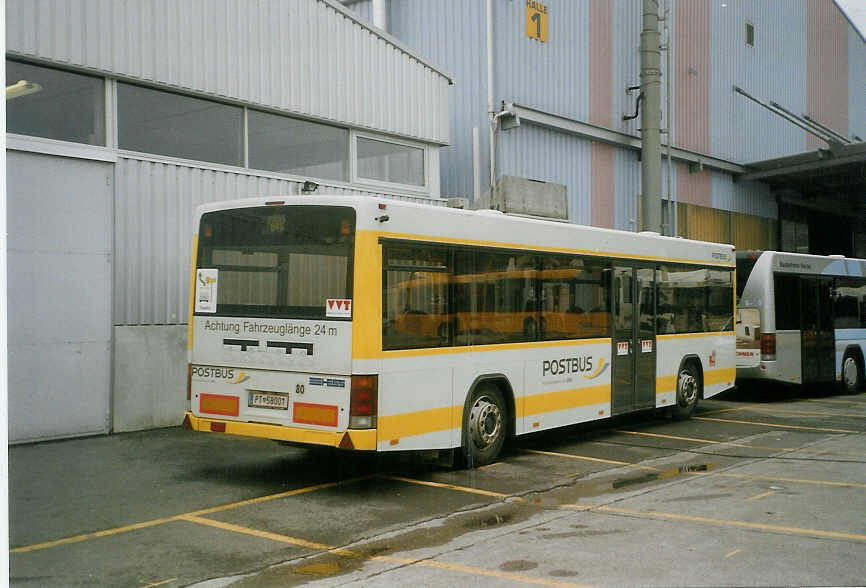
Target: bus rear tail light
[
  {"x": 768, "y": 346},
  {"x": 363, "y": 402}
]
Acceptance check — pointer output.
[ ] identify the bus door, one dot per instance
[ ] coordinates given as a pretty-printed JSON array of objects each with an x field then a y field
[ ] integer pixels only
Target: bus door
[
  {"x": 817, "y": 338},
  {"x": 634, "y": 345}
]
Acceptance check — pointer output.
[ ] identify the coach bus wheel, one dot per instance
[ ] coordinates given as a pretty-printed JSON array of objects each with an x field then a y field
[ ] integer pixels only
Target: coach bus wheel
[
  {"x": 484, "y": 426},
  {"x": 688, "y": 392},
  {"x": 852, "y": 377}
]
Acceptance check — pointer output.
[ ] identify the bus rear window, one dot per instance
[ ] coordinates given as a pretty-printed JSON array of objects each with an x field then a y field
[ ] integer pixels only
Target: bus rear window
[{"x": 278, "y": 261}]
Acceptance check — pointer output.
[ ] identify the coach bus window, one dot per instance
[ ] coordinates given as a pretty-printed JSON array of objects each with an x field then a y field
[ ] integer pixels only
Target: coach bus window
[
  {"x": 506, "y": 301},
  {"x": 720, "y": 300},
  {"x": 787, "y": 299},
  {"x": 416, "y": 305},
  {"x": 573, "y": 299},
  {"x": 694, "y": 300},
  {"x": 849, "y": 303},
  {"x": 278, "y": 262}
]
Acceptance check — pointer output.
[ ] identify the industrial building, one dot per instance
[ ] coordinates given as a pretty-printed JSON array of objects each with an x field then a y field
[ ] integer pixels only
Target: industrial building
[{"x": 123, "y": 116}]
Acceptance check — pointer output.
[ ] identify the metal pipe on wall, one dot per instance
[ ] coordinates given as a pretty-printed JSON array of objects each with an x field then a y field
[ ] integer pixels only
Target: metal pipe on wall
[{"x": 490, "y": 110}]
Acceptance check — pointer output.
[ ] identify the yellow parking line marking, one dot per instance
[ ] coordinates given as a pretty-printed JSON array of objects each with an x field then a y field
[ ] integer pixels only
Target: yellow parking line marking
[
  {"x": 95, "y": 535},
  {"x": 760, "y": 496},
  {"x": 162, "y": 521},
  {"x": 733, "y": 553},
  {"x": 447, "y": 486},
  {"x": 730, "y": 523},
  {"x": 268, "y": 535},
  {"x": 485, "y": 572},
  {"x": 775, "y": 410},
  {"x": 595, "y": 459},
  {"x": 780, "y": 479},
  {"x": 678, "y": 438},
  {"x": 837, "y": 401},
  {"x": 823, "y": 430},
  {"x": 745, "y": 446},
  {"x": 347, "y": 553},
  {"x": 720, "y": 474},
  {"x": 155, "y": 584}
]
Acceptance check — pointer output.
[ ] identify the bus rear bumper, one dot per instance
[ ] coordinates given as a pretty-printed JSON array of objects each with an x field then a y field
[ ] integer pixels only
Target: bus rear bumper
[{"x": 359, "y": 439}]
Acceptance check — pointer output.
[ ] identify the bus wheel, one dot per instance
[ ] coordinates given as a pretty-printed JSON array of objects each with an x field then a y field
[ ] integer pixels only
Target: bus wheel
[
  {"x": 688, "y": 392},
  {"x": 852, "y": 376},
  {"x": 484, "y": 426}
]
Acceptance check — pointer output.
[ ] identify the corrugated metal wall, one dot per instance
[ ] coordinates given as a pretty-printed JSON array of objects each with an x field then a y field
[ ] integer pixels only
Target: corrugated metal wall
[
  {"x": 774, "y": 69},
  {"x": 154, "y": 204},
  {"x": 856, "y": 84},
  {"x": 721, "y": 226},
  {"x": 626, "y": 17},
  {"x": 538, "y": 153},
  {"x": 299, "y": 56},
  {"x": 827, "y": 67},
  {"x": 455, "y": 37},
  {"x": 627, "y": 189},
  {"x": 550, "y": 76}
]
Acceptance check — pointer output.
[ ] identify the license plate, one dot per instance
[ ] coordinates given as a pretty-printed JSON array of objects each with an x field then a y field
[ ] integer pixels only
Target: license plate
[{"x": 274, "y": 400}]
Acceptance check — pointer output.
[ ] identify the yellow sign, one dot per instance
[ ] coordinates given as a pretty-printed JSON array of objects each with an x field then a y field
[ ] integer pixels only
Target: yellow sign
[{"x": 536, "y": 21}]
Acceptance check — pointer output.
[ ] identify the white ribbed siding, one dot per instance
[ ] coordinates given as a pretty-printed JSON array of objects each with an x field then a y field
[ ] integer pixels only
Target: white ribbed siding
[
  {"x": 154, "y": 205},
  {"x": 856, "y": 84},
  {"x": 774, "y": 69},
  {"x": 754, "y": 198},
  {"x": 538, "y": 153},
  {"x": 455, "y": 37},
  {"x": 553, "y": 76},
  {"x": 626, "y": 26},
  {"x": 627, "y": 189},
  {"x": 307, "y": 57}
]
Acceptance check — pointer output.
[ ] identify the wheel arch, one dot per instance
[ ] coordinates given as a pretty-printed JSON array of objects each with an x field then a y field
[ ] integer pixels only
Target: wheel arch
[
  {"x": 694, "y": 360},
  {"x": 854, "y": 350},
  {"x": 503, "y": 384}
]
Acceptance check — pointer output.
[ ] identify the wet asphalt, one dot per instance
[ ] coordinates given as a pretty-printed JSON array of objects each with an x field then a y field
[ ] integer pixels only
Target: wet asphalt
[{"x": 763, "y": 488}]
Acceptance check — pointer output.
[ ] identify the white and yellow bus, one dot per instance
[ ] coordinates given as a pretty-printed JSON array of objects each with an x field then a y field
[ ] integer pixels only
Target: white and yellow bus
[
  {"x": 802, "y": 318},
  {"x": 382, "y": 325}
]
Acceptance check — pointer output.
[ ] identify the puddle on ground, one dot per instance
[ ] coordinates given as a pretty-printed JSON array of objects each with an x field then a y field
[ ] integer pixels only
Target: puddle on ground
[
  {"x": 662, "y": 475},
  {"x": 458, "y": 524}
]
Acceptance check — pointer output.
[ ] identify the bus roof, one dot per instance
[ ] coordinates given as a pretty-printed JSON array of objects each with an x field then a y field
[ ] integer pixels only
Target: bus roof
[
  {"x": 804, "y": 263},
  {"x": 426, "y": 223}
]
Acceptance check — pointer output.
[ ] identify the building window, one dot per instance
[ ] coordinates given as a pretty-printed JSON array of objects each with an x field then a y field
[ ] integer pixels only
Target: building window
[
  {"x": 395, "y": 163},
  {"x": 282, "y": 144},
  {"x": 750, "y": 34},
  {"x": 152, "y": 121},
  {"x": 54, "y": 104}
]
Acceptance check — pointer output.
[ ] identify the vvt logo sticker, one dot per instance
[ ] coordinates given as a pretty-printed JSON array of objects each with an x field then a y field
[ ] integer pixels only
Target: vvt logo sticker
[{"x": 338, "y": 308}]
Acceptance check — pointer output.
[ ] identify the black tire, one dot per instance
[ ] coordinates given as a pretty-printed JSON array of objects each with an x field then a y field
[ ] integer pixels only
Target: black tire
[
  {"x": 485, "y": 426},
  {"x": 688, "y": 392},
  {"x": 852, "y": 374}
]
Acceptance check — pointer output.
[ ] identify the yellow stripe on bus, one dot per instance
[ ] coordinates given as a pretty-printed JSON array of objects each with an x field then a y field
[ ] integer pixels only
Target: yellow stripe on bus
[
  {"x": 367, "y": 297},
  {"x": 667, "y": 384},
  {"x": 421, "y": 422},
  {"x": 565, "y": 399},
  {"x": 192, "y": 290}
]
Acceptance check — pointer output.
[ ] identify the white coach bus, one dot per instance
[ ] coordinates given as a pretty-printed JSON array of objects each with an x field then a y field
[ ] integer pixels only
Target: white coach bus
[
  {"x": 801, "y": 318},
  {"x": 382, "y": 325}
]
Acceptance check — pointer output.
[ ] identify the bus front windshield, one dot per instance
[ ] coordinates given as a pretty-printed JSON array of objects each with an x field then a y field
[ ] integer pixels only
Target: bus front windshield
[{"x": 278, "y": 261}]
